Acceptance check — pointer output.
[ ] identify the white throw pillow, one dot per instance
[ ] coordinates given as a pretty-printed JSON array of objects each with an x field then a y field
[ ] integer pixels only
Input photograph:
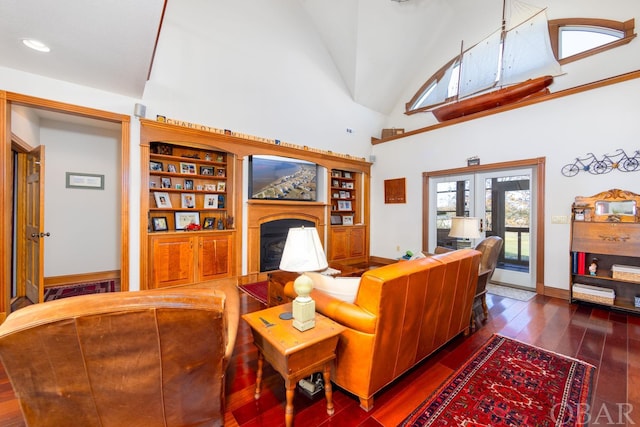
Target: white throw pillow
[{"x": 343, "y": 288}]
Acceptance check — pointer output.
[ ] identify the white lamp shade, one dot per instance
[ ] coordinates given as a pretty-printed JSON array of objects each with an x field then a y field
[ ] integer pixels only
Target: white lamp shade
[
  {"x": 303, "y": 251},
  {"x": 464, "y": 227}
]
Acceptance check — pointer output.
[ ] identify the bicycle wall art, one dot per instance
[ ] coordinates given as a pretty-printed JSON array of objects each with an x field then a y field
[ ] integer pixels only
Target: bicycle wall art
[{"x": 619, "y": 160}]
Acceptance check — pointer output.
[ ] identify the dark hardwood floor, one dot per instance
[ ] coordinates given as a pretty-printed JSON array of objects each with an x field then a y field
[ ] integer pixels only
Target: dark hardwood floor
[{"x": 607, "y": 339}]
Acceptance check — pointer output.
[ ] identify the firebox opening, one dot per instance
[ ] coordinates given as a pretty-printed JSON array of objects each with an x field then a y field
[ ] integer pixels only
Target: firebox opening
[{"x": 273, "y": 235}]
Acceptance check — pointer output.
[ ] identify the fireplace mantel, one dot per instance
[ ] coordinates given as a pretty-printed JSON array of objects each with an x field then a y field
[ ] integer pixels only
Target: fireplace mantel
[{"x": 261, "y": 211}]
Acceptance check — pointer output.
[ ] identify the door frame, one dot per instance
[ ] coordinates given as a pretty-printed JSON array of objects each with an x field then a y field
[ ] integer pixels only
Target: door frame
[
  {"x": 537, "y": 163},
  {"x": 7, "y": 99}
]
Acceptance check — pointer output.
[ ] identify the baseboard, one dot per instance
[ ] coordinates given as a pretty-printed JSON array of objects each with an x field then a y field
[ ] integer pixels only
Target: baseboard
[
  {"x": 74, "y": 279},
  {"x": 556, "y": 293}
]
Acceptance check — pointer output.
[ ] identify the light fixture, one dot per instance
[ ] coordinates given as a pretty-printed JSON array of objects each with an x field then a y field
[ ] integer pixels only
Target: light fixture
[
  {"x": 465, "y": 227},
  {"x": 302, "y": 253},
  {"x": 36, "y": 45}
]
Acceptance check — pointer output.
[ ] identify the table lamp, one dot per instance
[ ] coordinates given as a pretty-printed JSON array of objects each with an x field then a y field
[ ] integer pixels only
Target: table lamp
[
  {"x": 302, "y": 253},
  {"x": 465, "y": 227}
]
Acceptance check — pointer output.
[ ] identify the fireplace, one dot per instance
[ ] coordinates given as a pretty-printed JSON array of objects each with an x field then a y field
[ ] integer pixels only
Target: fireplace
[{"x": 273, "y": 235}]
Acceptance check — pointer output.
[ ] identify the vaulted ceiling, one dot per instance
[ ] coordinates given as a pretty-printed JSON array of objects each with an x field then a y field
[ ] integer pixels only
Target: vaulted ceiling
[{"x": 378, "y": 46}]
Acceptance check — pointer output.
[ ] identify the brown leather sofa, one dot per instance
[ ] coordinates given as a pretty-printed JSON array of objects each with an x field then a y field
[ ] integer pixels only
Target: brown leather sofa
[
  {"x": 402, "y": 313},
  {"x": 148, "y": 358}
]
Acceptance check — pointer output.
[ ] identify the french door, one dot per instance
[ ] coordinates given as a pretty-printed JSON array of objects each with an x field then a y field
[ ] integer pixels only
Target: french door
[{"x": 505, "y": 202}]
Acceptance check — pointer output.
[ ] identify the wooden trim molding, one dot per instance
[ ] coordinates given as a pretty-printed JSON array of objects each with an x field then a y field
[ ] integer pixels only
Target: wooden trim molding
[
  {"x": 543, "y": 98},
  {"x": 6, "y": 166},
  {"x": 537, "y": 163},
  {"x": 73, "y": 279}
]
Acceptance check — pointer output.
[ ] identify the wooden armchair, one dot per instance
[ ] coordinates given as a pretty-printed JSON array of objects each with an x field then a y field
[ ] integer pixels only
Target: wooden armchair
[
  {"x": 490, "y": 248},
  {"x": 148, "y": 358}
]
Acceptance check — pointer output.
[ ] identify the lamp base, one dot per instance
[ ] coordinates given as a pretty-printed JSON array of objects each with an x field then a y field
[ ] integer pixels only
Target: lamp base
[{"x": 304, "y": 314}]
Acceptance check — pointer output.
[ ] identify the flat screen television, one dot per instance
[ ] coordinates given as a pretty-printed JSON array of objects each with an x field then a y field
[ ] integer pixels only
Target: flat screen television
[{"x": 282, "y": 178}]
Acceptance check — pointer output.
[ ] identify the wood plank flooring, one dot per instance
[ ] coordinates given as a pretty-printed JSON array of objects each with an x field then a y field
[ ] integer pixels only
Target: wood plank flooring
[{"x": 607, "y": 339}]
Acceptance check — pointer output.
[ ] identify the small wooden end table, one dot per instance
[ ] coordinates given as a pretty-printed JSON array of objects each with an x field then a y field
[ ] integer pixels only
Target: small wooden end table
[{"x": 292, "y": 353}]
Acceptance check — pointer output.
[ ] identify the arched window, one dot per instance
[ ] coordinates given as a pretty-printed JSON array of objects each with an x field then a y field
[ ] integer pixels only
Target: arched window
[{"x": 576, "y": 38}]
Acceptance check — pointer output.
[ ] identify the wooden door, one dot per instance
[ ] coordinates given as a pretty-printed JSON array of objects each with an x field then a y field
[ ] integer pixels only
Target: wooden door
[
  {"x": 171, "y": 261},
  {"x": 357, "y": 242},
  {"x": 34, "y": 245},
  {"x": 339, "y": 242},
  {"x": 214, "y": 257}
]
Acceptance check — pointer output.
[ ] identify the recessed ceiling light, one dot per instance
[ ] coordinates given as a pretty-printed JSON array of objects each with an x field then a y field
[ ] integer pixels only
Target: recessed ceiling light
[{"x": 36, "y": 45}]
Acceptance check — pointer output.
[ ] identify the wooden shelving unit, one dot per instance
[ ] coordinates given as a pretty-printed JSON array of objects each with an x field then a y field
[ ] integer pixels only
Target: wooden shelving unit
[{"x": 605, "y": 233}]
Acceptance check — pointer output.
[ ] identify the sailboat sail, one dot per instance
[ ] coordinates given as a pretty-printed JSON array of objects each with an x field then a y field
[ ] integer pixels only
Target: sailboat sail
[{"x": 518, "y": 51}]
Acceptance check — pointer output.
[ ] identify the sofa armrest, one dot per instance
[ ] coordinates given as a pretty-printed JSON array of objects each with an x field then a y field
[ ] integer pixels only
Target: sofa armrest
[{"x": 349, "y": 315}]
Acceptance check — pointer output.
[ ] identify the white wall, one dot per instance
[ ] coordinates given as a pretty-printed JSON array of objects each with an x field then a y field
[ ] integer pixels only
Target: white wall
[
  {"x": 84, "y": 223},
  {"x": 598, "y": 121}
]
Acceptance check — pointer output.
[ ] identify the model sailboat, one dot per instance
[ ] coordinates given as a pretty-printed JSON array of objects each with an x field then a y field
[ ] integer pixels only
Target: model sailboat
[{"x": 513, "y": 59}]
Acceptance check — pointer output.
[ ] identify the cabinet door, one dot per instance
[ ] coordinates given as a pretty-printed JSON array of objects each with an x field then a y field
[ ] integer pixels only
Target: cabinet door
[
  {"x": 214, "y": 256},
  {"x": 339, "y": 243},
  {"x": 171, "y": 261},
  {"x": 357, "y": 243}
]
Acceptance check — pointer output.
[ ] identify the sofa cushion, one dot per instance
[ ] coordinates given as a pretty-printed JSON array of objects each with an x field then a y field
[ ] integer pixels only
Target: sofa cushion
[{"x": 343, "y": 288}]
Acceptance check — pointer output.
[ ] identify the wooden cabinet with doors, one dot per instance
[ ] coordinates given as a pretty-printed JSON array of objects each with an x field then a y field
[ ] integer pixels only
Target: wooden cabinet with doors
[
  {"x": 348, "y": 243},
  {"x": 605, "y": 250},
  {"x": 189, "y": 258},
  {"x": 347, "y": 231}
]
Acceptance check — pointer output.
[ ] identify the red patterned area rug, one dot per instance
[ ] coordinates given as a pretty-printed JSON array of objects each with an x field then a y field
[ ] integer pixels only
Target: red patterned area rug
[
  {"x": 58, "y": 292},
  {"x": 509, "y": 383},
  {"x": 257, "y": 290}
]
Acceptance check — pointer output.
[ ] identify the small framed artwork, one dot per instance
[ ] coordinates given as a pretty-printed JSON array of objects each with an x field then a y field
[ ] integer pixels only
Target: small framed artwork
[
  {"x": 210, "y": 187},
  {"x": 188, "y": 201},
  {"x": 211, "y": 201},
  {"x": 336, "y": 219},
  {"x": 188, "y": 184},
  {"x": 84, "y": 180},
  {"x": 162, "y": 199},
  {"x": 155, "y": 166},
  {"x": 347, "y": 220},
  {"x": 222, "y": 186},
  {"x": 183, "y": 219},
  {"x": 348, "y": 185},
  {"x": 221, "y": 172},
  {"x": 221, "y": 201},
  {"x": 336, "y": 195},
  {"x": 166, "y": 182},
  {"x": 171, "y": 168},
  {"x": 159, "y": 223},
  {"x": 334, "y": 183},
  {"x": 220, "y": 158},
  {"x": 206, "y": 170},
  {"x": 188, "y": 168},
  {"x": 347, "y": 174},
  {"x": 336, "y": 173},
  {"x": 344, "y": 205},
  {"x": 395, "y": 190},
  {"x": 344, "y": 194},
  {"x": 209, "y": 223}
]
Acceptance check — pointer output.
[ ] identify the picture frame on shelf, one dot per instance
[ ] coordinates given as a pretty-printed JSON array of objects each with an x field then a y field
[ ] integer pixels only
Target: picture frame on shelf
[
  {"x": 187, "y": 168},
  {"x": 336, "y": 219},
  {"x": 348, "y": 185},
  {"x": 221, "y": 172},
  {"x": 347, "y": 220},
  {"x": 210, "y": 201},
  {"x": 166, "y": 182},
  {"x": 171, "y": 168},
  {"x": 156, "y": 166},
  {"x": 336, "y": 195},
  {"x": 188, "y": 184},
  {"x": 221, "y": 201},
  {"x": 210, "y": 187},
  {"x": 336, "y": 173},
  {"x": 220, "y": 158},
  {"x": 222, "y": 186},
  {"x": 206, "y": 170},
  {"x": 162, "y": 199},
  {"x": 209, "y": 223},
  {"x": 345, "y": 195},
  {"x": 347, "y": 174},
  {"x": 159, "y": 223},
  {"x": 188, "y": 201},
  {"x": 344, "y": 205},
  {"x": 334, "y": 183},
  {"x": 199, "y": 187},
  {"x": 183, "y": 219}
]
